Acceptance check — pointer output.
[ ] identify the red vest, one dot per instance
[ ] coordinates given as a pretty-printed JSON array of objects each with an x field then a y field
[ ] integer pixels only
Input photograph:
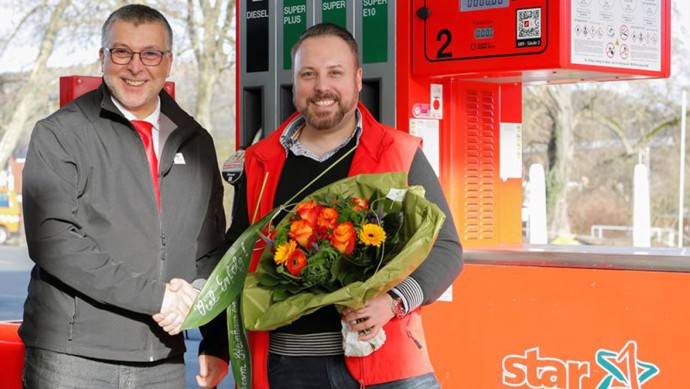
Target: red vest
[{"x": 381, "y": 149}]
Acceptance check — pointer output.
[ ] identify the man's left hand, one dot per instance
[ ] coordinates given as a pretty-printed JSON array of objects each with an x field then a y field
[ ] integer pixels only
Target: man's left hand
[{"x": 369, "y": 319}]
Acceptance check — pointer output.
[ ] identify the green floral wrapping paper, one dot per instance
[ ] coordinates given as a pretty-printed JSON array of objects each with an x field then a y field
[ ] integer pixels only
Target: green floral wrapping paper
[{"x": 231, "y": 288}]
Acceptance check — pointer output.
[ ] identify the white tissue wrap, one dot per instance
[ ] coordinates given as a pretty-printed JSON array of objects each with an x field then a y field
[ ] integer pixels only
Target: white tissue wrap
[{"x": 357, "y": 348}]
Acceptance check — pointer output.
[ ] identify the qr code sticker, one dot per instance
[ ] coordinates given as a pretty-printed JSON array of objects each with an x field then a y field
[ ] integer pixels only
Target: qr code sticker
[{"x": 529, "y": 23}]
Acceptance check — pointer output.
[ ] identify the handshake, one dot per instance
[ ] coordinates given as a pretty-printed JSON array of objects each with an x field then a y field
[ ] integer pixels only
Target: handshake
[{"x": 177, "y": 302}]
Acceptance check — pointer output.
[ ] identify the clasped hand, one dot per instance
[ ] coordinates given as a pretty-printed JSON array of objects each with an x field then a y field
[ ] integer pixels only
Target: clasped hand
[
  {"x": 369, "y": 319},
  {"x": 177, "y": 302}
]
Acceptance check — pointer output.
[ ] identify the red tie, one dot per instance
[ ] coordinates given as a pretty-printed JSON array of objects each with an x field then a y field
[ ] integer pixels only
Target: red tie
[{"x": 145, "y": 131}]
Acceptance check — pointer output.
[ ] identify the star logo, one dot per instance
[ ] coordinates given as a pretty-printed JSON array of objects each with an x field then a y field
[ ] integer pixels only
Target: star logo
[{"x": 624, "y": 370}]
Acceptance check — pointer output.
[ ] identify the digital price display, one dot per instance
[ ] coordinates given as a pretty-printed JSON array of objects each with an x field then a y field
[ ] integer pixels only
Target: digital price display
[
  {"x": 476, "y": 5},
  {"x": 483, "y": 33}
]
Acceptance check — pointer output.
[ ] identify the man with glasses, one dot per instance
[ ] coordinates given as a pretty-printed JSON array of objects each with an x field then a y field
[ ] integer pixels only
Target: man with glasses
[{"x": 123, "y": 205}]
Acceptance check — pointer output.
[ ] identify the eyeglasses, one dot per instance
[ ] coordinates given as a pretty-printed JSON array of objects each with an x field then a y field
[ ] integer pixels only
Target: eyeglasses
[{"x": 125, "y": 56}]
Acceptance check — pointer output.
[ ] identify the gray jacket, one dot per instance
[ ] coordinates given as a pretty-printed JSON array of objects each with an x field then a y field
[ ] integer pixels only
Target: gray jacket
[{"x": 103, "y": 252}]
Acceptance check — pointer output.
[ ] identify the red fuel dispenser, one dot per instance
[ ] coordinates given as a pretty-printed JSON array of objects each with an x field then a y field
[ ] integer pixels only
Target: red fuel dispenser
[
  {"x": 518, "y": 319},
  {"x": 458, "y": 68},
  {"x": 474, "y": 57}
]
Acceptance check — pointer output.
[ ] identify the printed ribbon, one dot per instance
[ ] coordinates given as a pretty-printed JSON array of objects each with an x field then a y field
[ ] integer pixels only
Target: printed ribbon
[{"x": 224, "y": 286}]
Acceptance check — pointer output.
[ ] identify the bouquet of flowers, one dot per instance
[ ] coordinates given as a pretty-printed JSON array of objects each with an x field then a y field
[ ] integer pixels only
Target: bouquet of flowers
[
  {"x": 368, "y": 232},
  {"x": 342, "y": 245},
  {"x": 329, "y": 242}
]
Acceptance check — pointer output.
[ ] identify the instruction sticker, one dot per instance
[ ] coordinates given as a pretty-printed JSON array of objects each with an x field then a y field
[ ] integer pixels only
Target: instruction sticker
[
  {"x": 436, "y": 99},
  {"x": 428, "y": 130},
  {"x": 621, "y": 34},
  {"x": 511, "y": 151}
]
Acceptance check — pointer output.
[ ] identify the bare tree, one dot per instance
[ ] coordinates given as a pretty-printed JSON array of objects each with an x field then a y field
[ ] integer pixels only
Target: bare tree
[
  {"x": 21, "y": 111},
  {"x": 209, "y": 26},
  {"x": 560, "y": 152},
  {"x": 554, "y": 108},
  {"x": 594, "y": 134},
  {"x": 632, "y": 146}
]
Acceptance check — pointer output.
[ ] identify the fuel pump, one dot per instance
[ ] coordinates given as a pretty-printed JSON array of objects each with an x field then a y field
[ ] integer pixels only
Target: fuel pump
[{"x": 452, "y": 72}]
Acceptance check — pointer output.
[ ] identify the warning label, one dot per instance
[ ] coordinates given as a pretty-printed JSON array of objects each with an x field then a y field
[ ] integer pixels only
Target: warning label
[{"x": 621, "y": 34}]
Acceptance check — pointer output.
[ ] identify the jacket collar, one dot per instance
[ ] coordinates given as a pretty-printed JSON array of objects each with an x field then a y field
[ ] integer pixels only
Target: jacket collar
[
  {"x": 168, "y": 107},
  {"x": 373, "y": 138}
]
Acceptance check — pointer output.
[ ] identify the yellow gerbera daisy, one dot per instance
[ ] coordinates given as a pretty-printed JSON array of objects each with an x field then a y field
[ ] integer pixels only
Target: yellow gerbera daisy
[
  {"x": 284, "y": 251},
  {"x": 372, "y": 235}
]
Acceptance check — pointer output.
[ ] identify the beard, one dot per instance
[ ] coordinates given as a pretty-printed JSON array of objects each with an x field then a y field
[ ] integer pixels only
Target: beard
[
  {"x": 131, "y": 101},
  {"x": 327, "y": 120}
]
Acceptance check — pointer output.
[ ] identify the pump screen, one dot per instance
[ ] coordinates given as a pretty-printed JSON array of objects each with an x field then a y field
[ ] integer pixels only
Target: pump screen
[
  {"x": 483, "y": 33},
  {"x": 476, "y": 5}
]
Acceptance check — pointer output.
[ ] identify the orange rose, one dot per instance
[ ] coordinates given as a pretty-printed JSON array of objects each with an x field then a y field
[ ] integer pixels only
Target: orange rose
[
  {"x": 302, "y": 232},
  {"x": 296, "y": 262},
  {"x": 309, "y": 211},
  {"x": 343, "y": 238},
  {"x": 359, "y": 204},
  {"x": 327, "y": 218}
]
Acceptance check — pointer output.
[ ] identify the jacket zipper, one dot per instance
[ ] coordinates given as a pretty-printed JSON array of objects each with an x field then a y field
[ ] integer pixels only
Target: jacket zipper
[
  {"x": 409, "y": 334},
  {"x": 419, "y": 345},
  {"x": 162, "y": 249},
  {"x": 75, "y": 302},
  {"x": 161, "y": 268},
  {"x": 361, "y": 374}
]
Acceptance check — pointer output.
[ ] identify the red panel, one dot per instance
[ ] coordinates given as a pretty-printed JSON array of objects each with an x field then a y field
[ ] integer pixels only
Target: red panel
[
  {"x": 572, "y": 316},
  {"x": 11, "y": 356},
  {"x": 72, "y": 87},
  {"x": 486, "y": 44},
  {"x": 509, "y": 192},
  {"x": 452, "y": 35},
  {"x": 447, "y": 44},
  {"x": 486, "y": 210},
  {"x": 474, "y": 161}
]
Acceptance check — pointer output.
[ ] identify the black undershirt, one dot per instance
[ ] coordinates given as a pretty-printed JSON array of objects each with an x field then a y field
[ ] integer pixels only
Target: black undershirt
[{"x": 297, "y": 172}]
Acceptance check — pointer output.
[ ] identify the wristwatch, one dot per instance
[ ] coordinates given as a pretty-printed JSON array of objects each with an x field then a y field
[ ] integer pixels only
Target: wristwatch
[{"x": 397, "y": 306}]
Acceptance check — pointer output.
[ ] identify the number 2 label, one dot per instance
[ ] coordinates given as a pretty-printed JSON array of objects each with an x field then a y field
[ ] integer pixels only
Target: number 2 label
[{"x": 444, "y": 36}]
